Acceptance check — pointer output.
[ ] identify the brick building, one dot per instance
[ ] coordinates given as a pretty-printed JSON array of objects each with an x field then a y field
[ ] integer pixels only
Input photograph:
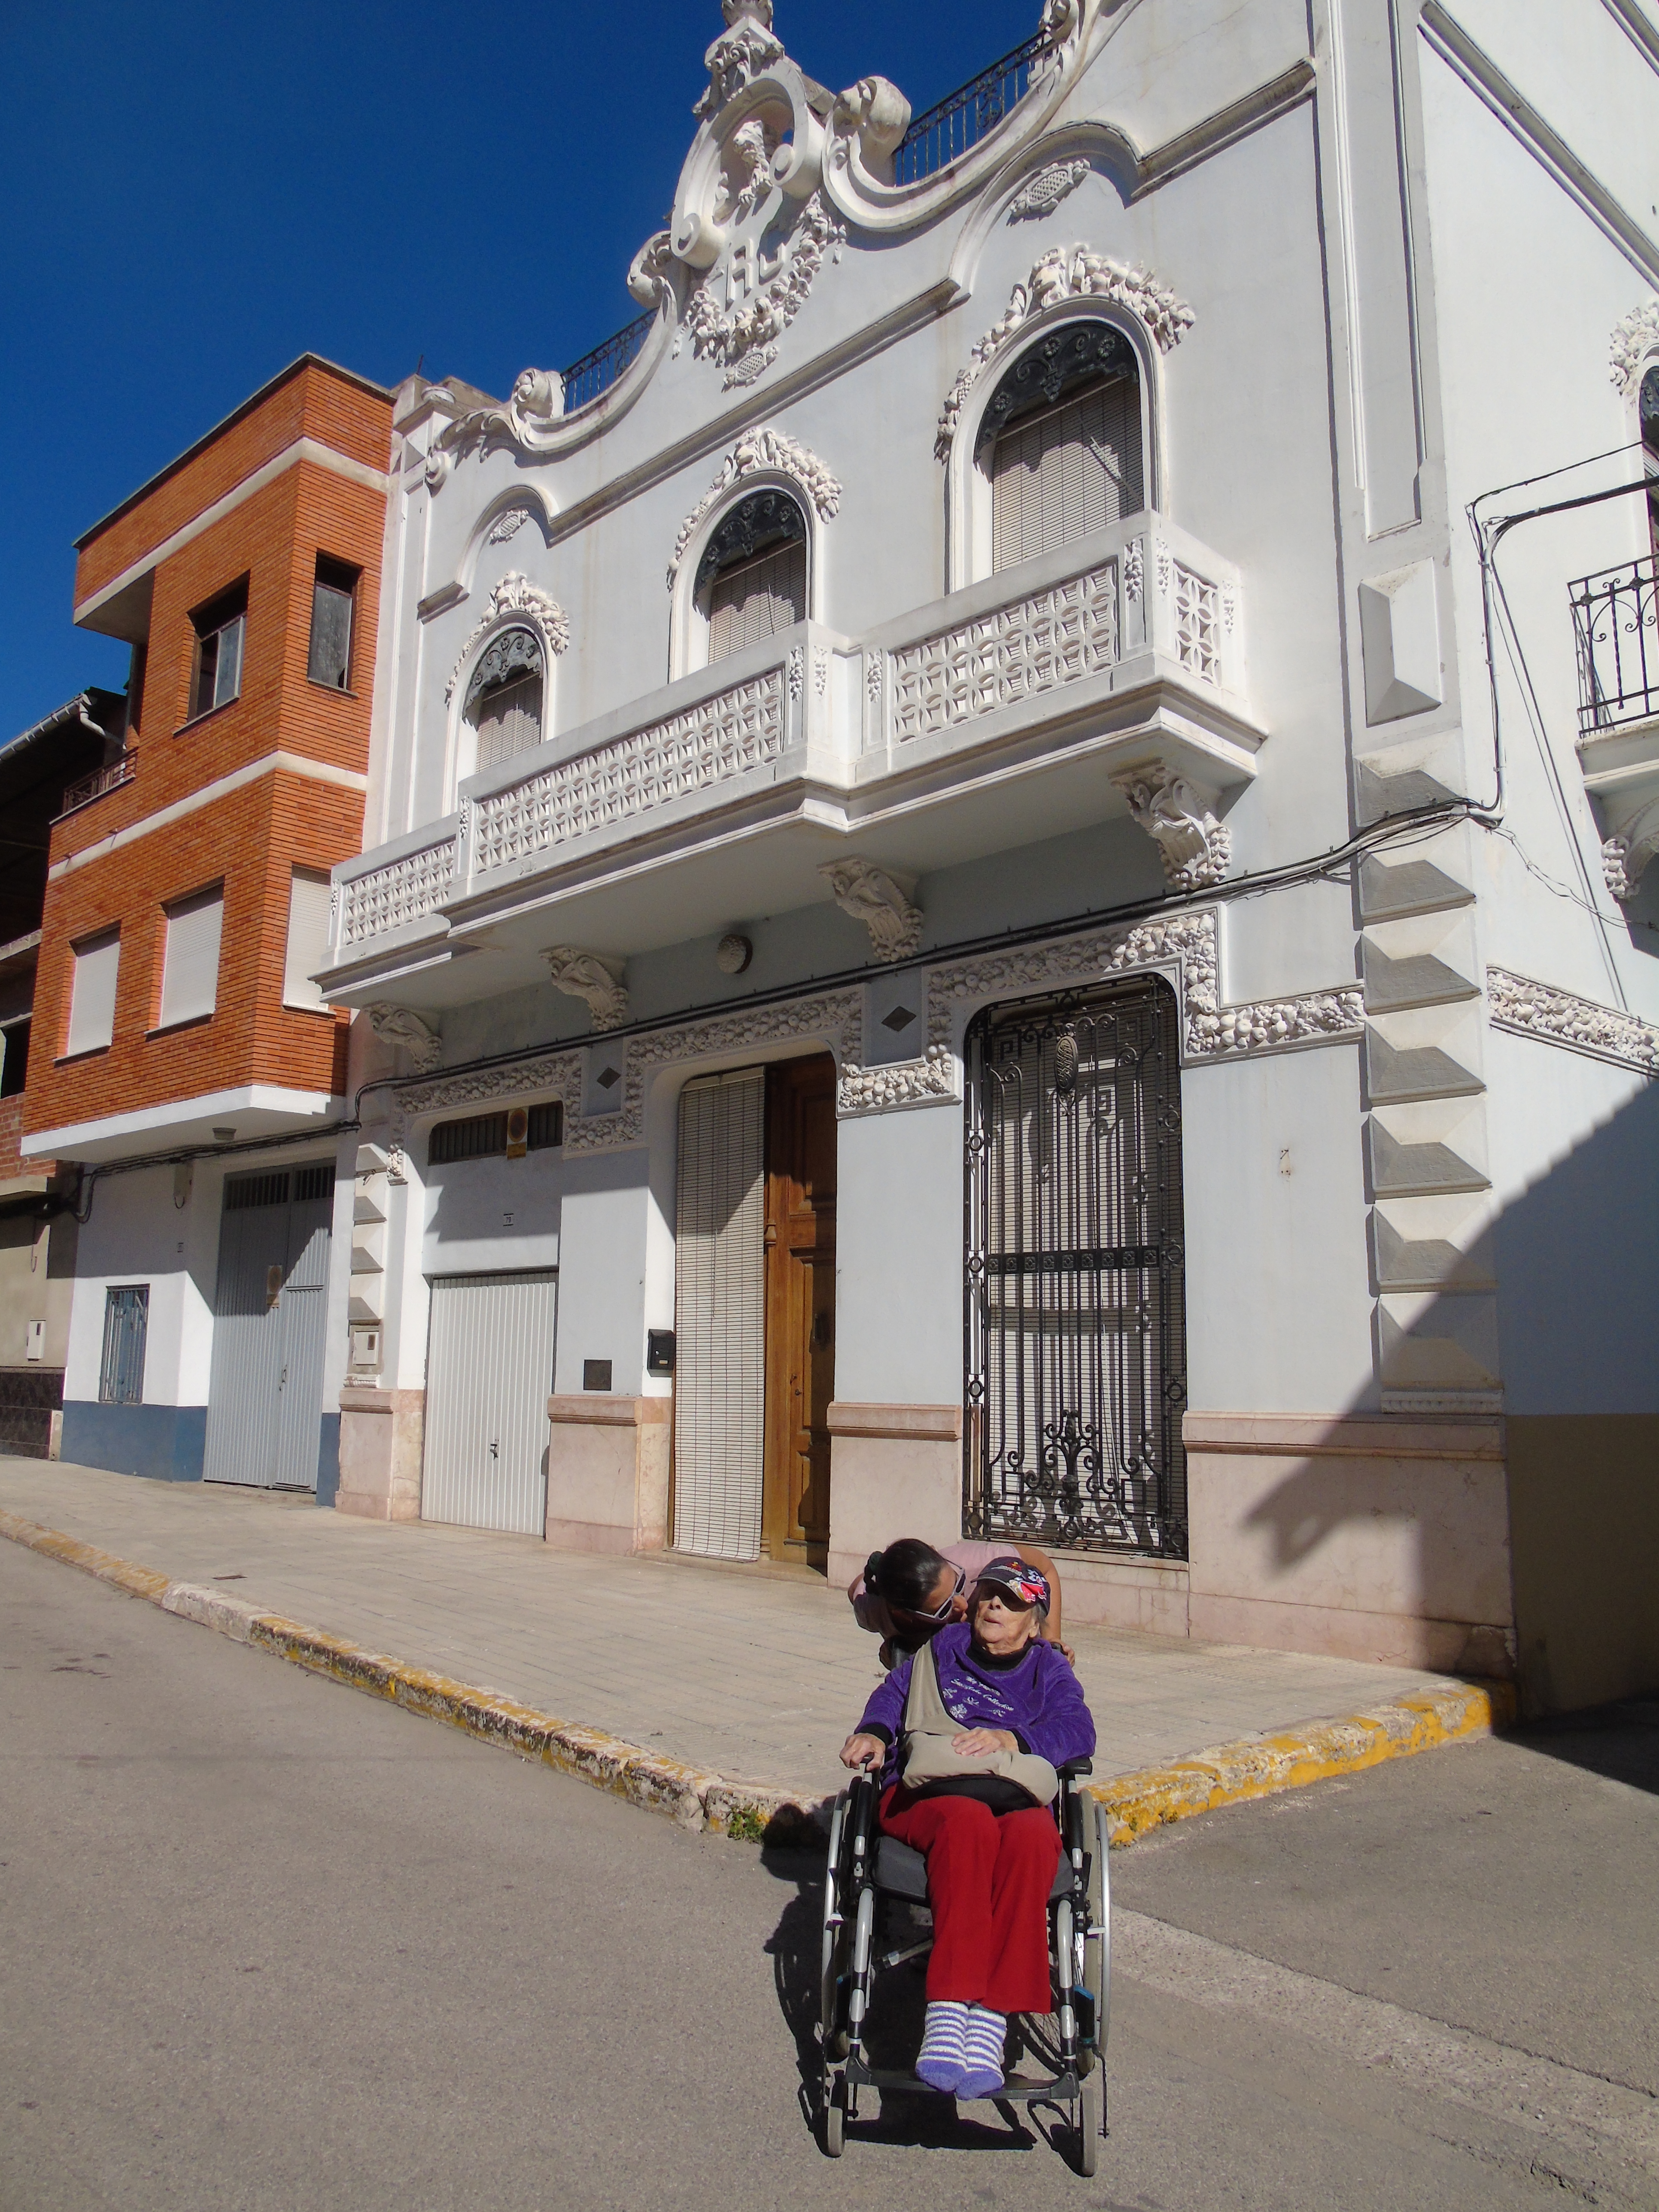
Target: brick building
[{"x": 182, "y": 1055}]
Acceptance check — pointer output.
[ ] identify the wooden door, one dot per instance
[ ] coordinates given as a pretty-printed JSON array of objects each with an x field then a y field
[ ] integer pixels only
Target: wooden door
[{"x": 800, "y": 1307}]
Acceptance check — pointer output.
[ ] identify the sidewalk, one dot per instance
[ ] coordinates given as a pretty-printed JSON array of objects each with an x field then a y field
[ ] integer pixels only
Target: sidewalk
[{"x": 758, "y": 1674}]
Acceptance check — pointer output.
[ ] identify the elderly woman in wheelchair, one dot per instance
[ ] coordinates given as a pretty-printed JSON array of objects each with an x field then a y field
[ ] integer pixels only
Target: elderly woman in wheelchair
[{"x": 977, "y": 1738}]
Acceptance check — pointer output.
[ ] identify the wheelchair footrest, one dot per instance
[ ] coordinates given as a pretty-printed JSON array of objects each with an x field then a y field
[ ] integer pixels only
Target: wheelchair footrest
[{"x": 1017, "y": 2089}]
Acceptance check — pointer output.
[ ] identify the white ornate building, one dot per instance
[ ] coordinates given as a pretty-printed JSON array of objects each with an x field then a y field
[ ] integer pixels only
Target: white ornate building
[{"x": 1006, "y": 877}]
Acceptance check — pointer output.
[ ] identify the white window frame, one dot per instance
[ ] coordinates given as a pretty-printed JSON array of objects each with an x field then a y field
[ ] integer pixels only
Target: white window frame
[{"x": 688, "y": 622}]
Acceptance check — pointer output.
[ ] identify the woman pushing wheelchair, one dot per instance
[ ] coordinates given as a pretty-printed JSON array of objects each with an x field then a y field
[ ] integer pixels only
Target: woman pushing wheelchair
[{"x": 968, "y": 1732}]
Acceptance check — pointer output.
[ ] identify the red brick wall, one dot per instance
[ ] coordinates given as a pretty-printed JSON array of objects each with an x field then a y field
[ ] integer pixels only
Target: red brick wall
[{"x": 250, "y": 839}]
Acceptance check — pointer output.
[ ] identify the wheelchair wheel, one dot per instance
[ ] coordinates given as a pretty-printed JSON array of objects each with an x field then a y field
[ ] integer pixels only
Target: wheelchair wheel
[
  {"x": 829, "y": 2026},
  {"x": 1090, "y": 2112},
  {"x": 1098, "y": 1945}
]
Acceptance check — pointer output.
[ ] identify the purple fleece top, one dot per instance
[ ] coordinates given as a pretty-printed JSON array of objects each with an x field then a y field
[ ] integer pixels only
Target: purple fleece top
[{"x": 1040, "y": 1699}]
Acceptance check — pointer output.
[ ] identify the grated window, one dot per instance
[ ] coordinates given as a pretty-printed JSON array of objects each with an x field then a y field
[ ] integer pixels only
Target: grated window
[{"x": 480, "y": 1136}]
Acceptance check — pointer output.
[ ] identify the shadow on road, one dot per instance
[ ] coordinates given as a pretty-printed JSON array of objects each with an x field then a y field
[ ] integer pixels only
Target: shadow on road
[
  {"x": 892, "y": 2032},
  {"x": 1619, "y": 1742}
]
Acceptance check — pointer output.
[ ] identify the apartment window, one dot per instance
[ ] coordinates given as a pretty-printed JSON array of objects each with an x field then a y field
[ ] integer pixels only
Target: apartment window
[
  {"x": 190, "y": 964},
  {"x": 92, "y": 993},
  {"x": 751, "y": 580},
  {"x": 307, "y": 938},
  {"x": 217, "y": 674},
  {"x": 333, "y": 600},
  {"x": 1062, "y": 442},
  {"x": 504, "y": 699},
  {"x": 127, "y": 1326}
]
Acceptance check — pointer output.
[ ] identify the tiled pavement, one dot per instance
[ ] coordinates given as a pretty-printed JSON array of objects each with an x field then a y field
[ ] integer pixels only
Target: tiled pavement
[{"x": 757, "y": 1673}]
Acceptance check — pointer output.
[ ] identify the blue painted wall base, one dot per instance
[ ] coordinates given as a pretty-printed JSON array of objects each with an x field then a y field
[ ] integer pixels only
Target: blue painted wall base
[{"x": 166, "y": 1442}]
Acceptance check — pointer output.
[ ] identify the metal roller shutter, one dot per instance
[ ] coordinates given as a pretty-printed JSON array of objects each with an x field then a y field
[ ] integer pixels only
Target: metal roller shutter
[
  {"x": 1056, "y": 476},
  {"x": 489, "y": 1372},
  {"x": 720, "y": 1320}
]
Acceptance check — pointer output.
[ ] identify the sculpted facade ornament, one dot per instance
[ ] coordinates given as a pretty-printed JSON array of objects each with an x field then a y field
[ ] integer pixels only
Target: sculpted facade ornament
[
  {"x": 1195, "y": 849},
  {"x": 593, "y": 978},
  {"x": 1633, "y": 339},
  {"x": 1539, "y": 1010},
  {"x": 516, "y": 595},
  {"x": 407, "y": 1032},
  {"x": 736, "y": 313},
  {"x": 1047, "y": 190},
  {"x": 874, "y": 115},
  {"x": 1066, "y": 273},
  {"x": 508, "y": 524},
  {"x": 871, "y": 895},
  {"x": 1626, "y": 854},
  {"x": 756, "y": 451}
]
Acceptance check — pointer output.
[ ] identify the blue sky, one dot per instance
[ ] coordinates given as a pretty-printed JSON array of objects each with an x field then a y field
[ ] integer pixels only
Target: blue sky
[{"x": 196, "y": 194}]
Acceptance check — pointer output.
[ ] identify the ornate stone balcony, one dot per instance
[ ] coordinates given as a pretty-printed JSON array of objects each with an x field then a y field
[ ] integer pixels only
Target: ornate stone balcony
[{"x": 1103, "y": 678}]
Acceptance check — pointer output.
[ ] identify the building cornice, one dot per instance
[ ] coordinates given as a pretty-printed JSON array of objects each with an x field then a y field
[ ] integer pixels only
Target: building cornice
[{"x": 343, "y": 778}]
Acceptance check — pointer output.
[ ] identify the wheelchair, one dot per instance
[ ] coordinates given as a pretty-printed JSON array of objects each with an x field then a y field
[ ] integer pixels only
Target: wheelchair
[{"x": 871, "y": 1879}]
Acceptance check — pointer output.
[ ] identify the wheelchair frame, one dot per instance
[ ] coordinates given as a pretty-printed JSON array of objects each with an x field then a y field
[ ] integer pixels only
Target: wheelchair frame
[{"x": 1079, "y": 1965}]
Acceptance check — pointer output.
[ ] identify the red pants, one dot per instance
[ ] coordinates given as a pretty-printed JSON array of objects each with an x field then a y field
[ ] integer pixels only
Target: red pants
[{"x": 988, "y": 1879}]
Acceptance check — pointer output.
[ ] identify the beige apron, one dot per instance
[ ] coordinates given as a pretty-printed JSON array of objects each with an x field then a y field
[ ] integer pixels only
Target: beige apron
[{"x": 928, "y": 1765}]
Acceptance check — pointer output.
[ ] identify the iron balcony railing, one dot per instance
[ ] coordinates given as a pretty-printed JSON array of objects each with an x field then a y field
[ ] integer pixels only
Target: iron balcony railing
[
  {"x": 959, "y": 121},
  {"x": 110, "y": 777},
  {"x": 596, "y": 372},
  {"x": 1615, "y": 620}
]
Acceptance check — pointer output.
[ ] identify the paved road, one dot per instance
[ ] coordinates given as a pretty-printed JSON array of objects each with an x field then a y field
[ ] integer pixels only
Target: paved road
[{"x": 265, "y": 1943}]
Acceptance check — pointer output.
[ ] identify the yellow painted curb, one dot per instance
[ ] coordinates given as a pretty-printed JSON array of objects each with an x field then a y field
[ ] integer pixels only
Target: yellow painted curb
[
  {"x": 1259, "y": 1766},
  {"x": 1135, "y": 1804}
]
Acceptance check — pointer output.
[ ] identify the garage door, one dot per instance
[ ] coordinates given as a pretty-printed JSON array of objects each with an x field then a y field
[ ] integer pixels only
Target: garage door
[{"x": 489, "y": 1372}]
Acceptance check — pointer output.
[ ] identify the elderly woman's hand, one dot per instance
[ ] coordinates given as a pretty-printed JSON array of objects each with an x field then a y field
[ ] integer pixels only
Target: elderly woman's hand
[
  {"x": 979, "y": 1743},
  {"x": 861, "y": 1751}
]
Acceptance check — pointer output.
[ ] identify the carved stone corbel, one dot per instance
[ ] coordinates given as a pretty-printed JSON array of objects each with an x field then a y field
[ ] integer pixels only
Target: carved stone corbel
[
  {"x": 1626, "y": 854},
  {"x": 405, "y": 1031},
  {"x": 871, "y": 895},
  {"x": 1196, "y": 850},
  {"x": 593, "y": 977}
]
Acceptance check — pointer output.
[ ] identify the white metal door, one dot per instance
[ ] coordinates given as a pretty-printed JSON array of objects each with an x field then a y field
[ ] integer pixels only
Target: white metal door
[
  {"x": 720, "y": 1317},
  {"x": 265, "y": 1387},
  {"x": 489, "y": 1372}
]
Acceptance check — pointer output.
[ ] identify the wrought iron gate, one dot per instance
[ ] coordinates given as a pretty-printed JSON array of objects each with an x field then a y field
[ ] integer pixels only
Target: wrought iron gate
[{"x": 1075, "y": 1294}]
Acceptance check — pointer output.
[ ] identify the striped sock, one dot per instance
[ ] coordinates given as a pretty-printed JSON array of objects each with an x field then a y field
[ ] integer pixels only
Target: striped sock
[
  {"x": 939, "y": 2062},
  {"x": 981, "y": 2074}
]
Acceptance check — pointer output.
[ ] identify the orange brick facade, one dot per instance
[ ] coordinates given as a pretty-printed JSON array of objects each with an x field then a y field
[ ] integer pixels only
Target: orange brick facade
[{"x": 252, "y": 837}]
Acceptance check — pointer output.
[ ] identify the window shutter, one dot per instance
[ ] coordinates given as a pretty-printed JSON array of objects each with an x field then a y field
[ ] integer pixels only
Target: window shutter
[
  {"x": 1057, "y": 476},
  {"x": 331, "y": 636},
  {"x": 758, "y": 600},
  {"x": 719, "y": 1319},
  {"x": 307, "y": 938},
  {"x": 92, "y": 993},
  {"x": 189, "y": 968},
  {"x": 509, "y": 720}
]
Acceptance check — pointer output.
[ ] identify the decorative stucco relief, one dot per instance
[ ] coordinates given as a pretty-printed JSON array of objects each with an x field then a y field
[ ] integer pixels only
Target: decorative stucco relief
[
  {"x": 407, "y": 1032},
  {"x": 934, "y": 1079},
  {"x": 1186, "y": 942},
  {"x": 1047, "y": 190},
  {"x": 1625, "y": 855},
  {"x": 1195, "y": 849},
  {"x": 508, "y": 524},
  {"x": 757, "y": 450},
  {"x": 593, "y": 978},
  {"x": 1633, "y": 339},
  {"x": 515, "y": 595},
  {"x": 738, "y": 328},
  {"x": 871, "y": 895},
  {"x": 1539, "y": 1010},
  {"x": 1066, "y": 272}
]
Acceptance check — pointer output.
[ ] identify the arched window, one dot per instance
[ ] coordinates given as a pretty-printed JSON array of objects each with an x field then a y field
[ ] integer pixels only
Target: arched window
[
  {"x": 1061, "y": 441},
  {"x": 751, "y": 580},
  {"x": 1649, "y": 405},
  {"x": 504, "y": 699}
]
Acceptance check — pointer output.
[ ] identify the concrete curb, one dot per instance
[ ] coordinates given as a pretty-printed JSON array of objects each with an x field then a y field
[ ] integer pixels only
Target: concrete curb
[
  {"x": 1259, "y": 1766},
  {"x": 754, "y": 1812}
]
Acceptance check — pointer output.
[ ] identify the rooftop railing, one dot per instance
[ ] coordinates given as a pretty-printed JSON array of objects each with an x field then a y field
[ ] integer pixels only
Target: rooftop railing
[
  {"x": 110, "y": 777},
  {"x": 596, "y": 372},
  {"x": 1615, "y": 620},
  {"x": 959, "y": 121}
]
